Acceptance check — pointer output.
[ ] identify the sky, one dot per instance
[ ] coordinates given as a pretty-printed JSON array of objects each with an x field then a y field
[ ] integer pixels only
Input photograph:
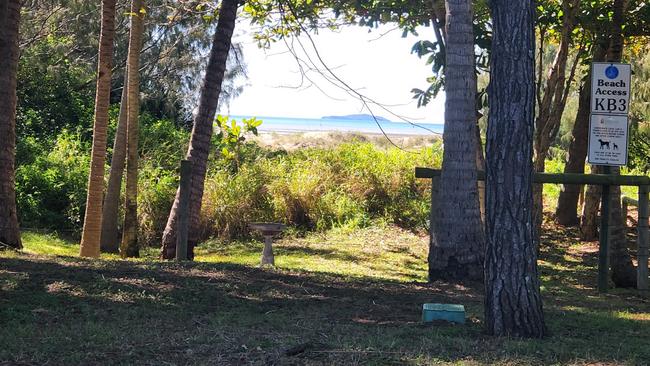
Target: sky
[{"x": 377, "y": 64}]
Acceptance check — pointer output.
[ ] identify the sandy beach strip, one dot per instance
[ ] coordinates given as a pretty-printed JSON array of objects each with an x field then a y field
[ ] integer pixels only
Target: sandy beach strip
[{"x": 292, "y": 140}]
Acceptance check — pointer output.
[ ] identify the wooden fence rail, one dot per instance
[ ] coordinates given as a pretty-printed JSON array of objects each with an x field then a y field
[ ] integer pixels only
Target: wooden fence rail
[
  {"x": 562, "y": 178},
  {"x": 642, "y": 182}
]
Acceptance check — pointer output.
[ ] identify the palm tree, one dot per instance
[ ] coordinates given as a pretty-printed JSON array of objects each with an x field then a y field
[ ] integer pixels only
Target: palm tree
[
  {"x": 199, "y": 147},
  {"x": 9, "y": 26},
  {"x": 110, "y": 241},
  {"x": 93, "y": 215},
  {"x": 456, "y": 249},
  {"x": 129, "y": 246}
]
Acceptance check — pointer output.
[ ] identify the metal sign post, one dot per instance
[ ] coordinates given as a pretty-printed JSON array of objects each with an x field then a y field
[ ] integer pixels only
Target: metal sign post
[{"x": 608, "y": 140}]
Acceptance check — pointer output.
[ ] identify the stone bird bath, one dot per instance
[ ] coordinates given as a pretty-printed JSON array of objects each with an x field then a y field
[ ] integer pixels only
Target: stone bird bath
[{"x": 268, "y": 230}]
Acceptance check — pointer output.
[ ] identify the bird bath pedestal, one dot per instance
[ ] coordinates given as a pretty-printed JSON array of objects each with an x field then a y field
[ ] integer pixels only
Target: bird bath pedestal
[{"x": 268, "y": 230}]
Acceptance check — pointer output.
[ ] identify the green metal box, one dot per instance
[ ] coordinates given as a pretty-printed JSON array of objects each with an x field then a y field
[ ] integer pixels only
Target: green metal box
[{"x": 449, "y": 312}]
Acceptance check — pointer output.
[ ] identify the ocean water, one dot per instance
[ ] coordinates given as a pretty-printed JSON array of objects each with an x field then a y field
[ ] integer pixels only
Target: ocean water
[{"x": 294, "y": 125}]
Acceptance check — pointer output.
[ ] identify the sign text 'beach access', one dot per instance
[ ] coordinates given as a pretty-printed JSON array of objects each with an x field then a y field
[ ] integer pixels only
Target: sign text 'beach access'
[
  {"x": 608, "y": 124},
  {"x": 610, "y": 88}
]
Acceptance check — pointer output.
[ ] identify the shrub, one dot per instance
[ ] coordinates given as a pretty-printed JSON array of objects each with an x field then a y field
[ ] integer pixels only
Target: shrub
[
  {"x": 157, "y": 189},
  {"x": 232, "y": 200},
  {"x": 348, "y": 185},
  {"x": 51, "y": 189},
  {"x": 317, "y": 189}
]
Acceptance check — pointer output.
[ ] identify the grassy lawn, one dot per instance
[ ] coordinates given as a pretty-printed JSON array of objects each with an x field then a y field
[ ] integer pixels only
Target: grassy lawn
[{"x": 344, "y": 297}]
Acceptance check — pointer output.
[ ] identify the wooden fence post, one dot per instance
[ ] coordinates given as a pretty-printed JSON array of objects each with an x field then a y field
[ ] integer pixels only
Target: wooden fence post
[
  {"x": 642, "y": 240},
  {"x": 605, "y": 180},
  {"x": 435, "y": 187},
  {"x": 184, "y": 190}
]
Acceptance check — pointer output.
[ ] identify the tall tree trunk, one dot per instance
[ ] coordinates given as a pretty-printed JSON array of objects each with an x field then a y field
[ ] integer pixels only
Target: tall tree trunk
[
  {"x": 93, "y": 215},
  {"x": 513, "y": 304},
  {"x": 199, "y": 148},
  {"x": 552, "y": 103},
  {"x": 456, "y": 249},
  {"x": 9, "y": 26},
  {"x": 438, "y": 14},
  {"x": 110, "y": 238},
  {"x": 129, "y": 245},
  {"x": 567, "y": 203},
  {"x": 480, "y": 165},
  {"x": 623, "y": 271},
  {"x": 589, "y": 217}
]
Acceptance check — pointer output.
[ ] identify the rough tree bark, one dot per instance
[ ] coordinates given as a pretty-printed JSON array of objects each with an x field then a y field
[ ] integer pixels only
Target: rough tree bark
[
  {"x": 9, "y": 27},
  {"x": 202, "y": 131},
  {"x": 110, "y": 238},
  {"x": 94, "y": 200},
  {"x": 623, "y": 271},
  {"x": 567, "y": 203},
  {"x": 513, "y": 305},
  {"x": 456, "y": 250},
  {"x": 129, "y": 245}
]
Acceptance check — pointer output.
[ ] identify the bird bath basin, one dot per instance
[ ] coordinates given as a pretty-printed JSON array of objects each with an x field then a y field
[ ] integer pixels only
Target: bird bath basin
[{"x": 268, "y": 230}]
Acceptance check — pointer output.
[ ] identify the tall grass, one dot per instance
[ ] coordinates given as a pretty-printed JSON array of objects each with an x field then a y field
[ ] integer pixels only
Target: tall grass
[
  {"x": 348, "y": 185},
  {"x": 345, "y": 183}
]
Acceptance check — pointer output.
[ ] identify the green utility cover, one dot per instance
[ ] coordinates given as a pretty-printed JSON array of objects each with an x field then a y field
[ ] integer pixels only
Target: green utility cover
[{"x": 449, "y": 312}]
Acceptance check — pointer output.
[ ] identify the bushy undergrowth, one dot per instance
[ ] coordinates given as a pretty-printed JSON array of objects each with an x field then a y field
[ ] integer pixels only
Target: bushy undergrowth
[
  {"x": 346, "y": 185},
  {"x": 51, "y": 183},
  {"x": 316, "y": 189}
]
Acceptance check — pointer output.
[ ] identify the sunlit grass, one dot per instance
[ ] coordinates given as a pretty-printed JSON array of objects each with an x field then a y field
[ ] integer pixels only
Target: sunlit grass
[
  {"x": 380, "y": 252},
  {"x": 50, "y": 244},
  {"x": 377, "y": 252}
]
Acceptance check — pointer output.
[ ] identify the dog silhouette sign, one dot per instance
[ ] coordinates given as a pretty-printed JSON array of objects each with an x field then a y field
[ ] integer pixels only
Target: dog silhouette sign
[{"x": 608, "y": 140}]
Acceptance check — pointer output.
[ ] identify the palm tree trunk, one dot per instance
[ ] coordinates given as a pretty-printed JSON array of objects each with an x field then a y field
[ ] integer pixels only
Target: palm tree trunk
[
  {"x": 199, "y": 148},
  {"x": 93, "y": 216},
  {"x": 110, "y": 239},
  {"x": 9, "y": 27},
  {"x": 513, "y": 304},
  {"x": 456, "y": 249},
  {"x": 129, "y": 245}
]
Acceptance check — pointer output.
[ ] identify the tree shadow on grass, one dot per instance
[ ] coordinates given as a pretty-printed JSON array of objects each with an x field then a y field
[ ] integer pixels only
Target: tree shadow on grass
[
  {"x": 72, "y": 311},
  {"x": 331, "y": 254}
]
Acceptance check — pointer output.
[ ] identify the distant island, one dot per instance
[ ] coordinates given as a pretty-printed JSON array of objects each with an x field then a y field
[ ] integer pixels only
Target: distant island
[{"x": 357, "y": 117}]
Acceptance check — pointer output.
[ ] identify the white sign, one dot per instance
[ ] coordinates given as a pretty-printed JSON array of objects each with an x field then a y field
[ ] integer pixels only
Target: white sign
[
  {"x": 610, "y": 88},
  {"x": 608, "y": 139}
]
